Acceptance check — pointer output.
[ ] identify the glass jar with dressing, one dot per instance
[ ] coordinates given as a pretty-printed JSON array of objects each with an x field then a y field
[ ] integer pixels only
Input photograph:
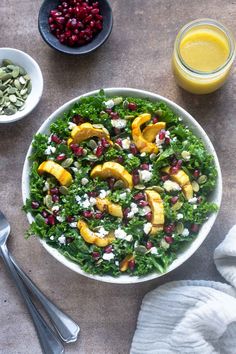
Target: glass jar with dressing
[{"x": 203, "y": 55}]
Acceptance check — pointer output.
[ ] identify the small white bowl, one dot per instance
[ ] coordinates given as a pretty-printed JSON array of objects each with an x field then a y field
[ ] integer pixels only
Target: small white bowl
[
  {"x": 32, "y": 68},
  {"x": 215, "y": 197}
]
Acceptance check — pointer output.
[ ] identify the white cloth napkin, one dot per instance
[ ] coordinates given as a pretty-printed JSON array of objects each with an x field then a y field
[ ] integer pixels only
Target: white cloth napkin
[{"x": 192, "y": 316}]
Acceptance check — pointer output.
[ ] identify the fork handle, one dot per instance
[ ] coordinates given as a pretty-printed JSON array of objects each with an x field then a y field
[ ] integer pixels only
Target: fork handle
[
  {"x": 50, "y": 344},
  {"x": 67, "y": 329}
]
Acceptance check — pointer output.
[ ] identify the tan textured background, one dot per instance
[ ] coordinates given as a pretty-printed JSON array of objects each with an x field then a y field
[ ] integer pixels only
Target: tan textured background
[{"x": 136, "y": 55}]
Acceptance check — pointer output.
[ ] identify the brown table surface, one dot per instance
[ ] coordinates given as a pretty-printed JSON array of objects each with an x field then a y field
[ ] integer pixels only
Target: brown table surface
[{"x": 136, "y": 55}]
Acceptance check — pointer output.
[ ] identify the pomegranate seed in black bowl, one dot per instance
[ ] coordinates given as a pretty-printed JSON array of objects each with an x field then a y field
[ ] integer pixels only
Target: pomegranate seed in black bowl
[{"x": 75, "y": 27}]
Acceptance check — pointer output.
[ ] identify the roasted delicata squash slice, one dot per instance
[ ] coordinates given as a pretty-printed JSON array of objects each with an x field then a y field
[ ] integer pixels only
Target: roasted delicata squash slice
[
  {"x": 92, "y": 237},
  {"x": 113, "y": 169},
  {"x": 157, "y": 207},
  {"x": 85, "y": 131},
  {"x": 142, "y": 144},
  {"x": 109, "y": 207},
  {"x": 124, "y": 264},
  {"x": 56, "y": 170},
  {"x": 150, "y": 132},
  {"x": 183, "y": 180}
]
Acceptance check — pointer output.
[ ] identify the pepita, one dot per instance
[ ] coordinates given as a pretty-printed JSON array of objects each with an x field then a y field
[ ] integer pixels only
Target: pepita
[
  {"x": 23, "y": 92},
  {"x": 92, "y": 144},
  {"x": 67, "y": 162},
  {"x": 139, "y": 187},
  {"x": 9, "y": 111},
  {"x": 140, "y": 249},
  {"x": 63, "y": 190},
  {"x": 92, "y": 158},
  {"x": 119, "y": 184},
  {"x": 15, "y": 72},
  {"x": 117, "y": 146},
  {"x": 13, "y": 98},
  {"x": 22, "y": 71},
  {"x": 158, "y": 189},
  {"x": 17, "y": 84},
  {"x": 202, "y": 179},
  {"x": 6, "y": 62},
  {"x": 195, "y": 186},
  {"x": 179, "y": 228},
  {"x": 129, "y": 117},
  {"x": 177, "y": 205},
  {"x": 186, "y": 155},
  {"x": 117, "y": 100},
  {"x": 48, "y": 201}
]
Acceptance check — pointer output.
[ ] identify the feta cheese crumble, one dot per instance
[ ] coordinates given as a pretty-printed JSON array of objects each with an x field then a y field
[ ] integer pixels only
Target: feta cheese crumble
[
  {"x": 84, "y": 181},
  {"x": 50, "y": 150},
  {"x": 118, "y": 123},
  {"x": 193, "y": 200},
  {"x": 122, "y": 235},
  {"x": 153, "y": 250},
  {"x": 144, "y": 211},
  {"x": 171, "y": 186},
  {"x": 109, "y": 104},
  {"x": 62, "y": 240},
  {"x": 102, "y": 194},
  {"x": 147, "y": 228},
  {"x": 71, "y": 125},
  {"x": 134, "y": 210},
  {"x": 126, "y": 143},
  {"x": 144, "y": 175},
  {"x": 179, "y": 216},
  {"x": 102, "y": 232},
  {"x": 108, "y": 256},
  {"x": 185, "y": 233},
  {"x": 73, "y": 224},
  {"x": 51, "y": 238}
]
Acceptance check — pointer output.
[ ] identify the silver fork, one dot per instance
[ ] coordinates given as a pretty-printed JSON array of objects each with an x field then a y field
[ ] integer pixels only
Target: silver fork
[{"x": 66, "y": 328}]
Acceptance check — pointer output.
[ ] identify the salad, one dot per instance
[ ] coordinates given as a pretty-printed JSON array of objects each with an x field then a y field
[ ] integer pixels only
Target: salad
[{"x": 120, "y": 185}]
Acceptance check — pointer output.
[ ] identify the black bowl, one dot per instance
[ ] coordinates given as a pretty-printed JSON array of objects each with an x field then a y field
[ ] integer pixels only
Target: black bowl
[{"x": 97, "y": 41}]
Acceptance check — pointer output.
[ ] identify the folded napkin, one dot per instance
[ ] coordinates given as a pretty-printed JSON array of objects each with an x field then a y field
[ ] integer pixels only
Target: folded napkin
[{"x": 192, "y": 316}]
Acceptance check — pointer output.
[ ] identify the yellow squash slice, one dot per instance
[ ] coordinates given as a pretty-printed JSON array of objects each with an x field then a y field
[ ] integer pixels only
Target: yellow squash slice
[
  {"x": 142, "y": 144},
  {"x": 183, "y": 180},
  {"x": 85, "y": 131},
  {"x": 150, "y": 132},
  {"x": 156, "y": 205},
  {"x": 56, "y": 170},
  {"x": 91, "y": 237},
  {"x": 113, "y": 169},
  {"x": 109, "y": 207}
]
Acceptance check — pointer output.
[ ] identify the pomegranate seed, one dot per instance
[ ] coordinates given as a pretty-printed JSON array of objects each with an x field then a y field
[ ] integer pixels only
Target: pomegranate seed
[
  {"x": 61, "y": 157},
  {"x": 169, "y": 228},
  {"x": 194, "y": 228},
  {"x": 135, "y": 179},
  {"x": 62, "y": 38},
  {"x": 148, "y": 216},
  {"x": 132, "y": 106},
  {"x": 93, "y": 194},
  {"x": 155, "y": 120},
  {"x": 50, "y": 20},
  {"x": 142, "y": 203},
  {"x": 65, "y": 4},
  {"x": 108, "y": 249},
  {"x": 99, "y": 151},
  {"x": 120, "y": 159},
  {"x": 114, "y": 115},
  {"x": 55, "y": 198},
  {"x": 199, "y": 200},
  {"x": 60, "y": 20},
  {"x": 108, "y": 110},
  {"x": 174, "y": 199},
  {"x": 53, "y": 27},
  {"x": 79, "y": 151},
  {"x": 133, "y": 149},
  {"x": 119, "y": 141},
  {"x": 94, "y": 11},
  {"x": 126, "y": 212},
  {"x": 70, "y": 218},
  {"x": 77, "y": 119},
  {"x": 104, "y": 143},
  {"x": 98, "y": 215},
  {"x": 131, "y": 264},
  {"x": 174, "y": 170},
  {"x": 169, "y": 239},
  {"x": 35, "y": 204},
  {"x": 149, "y": 245},
  {"x": 167, "y": 140},
  {"x": 139, "y": 196},
  {"x": 174, "y": 161},
  {"x": 165, "y": 178},
  {"x": 54, "y": 190},
  {"x": 87, "y": 214},
  {"x": 51, "y": 220},
  {"x": 196, "y": 173},
  {"x": 144, "y": 166},
  {"x": 55, "y": 13},
  {"x": 44, "y": 213},
  {"x": 179, "y": 163},
  {"x": 162, "y": 134},
  {"x": 111, "y": 182},
  {"x": 96, "y": 255}
]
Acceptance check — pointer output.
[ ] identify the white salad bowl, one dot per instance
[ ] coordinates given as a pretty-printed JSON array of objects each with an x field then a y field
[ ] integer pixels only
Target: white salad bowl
[
  {"x": 215, "y": 197},
  {"x": 33, "y": 70}
]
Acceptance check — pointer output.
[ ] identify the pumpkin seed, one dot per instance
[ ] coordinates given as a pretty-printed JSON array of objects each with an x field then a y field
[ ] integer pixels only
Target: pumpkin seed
[
  {"x": 18, "y": 103},
  {"x": 21, "y": 108},
  {"x": 159, "y": 112},
  {"x": 98, "y": 126},
  {"x": 77, "y": 164},
  {"x": 13, "y": 98},
  {"x": 129, "y": 117},
  {"x": 15, "y": 72},
  {"x": 85, "y": 151},
  {"x": 117, "y": 100},
  {"x": 9, "y": 111},
  {"x": 177, "y": 205},
  {"x": 11, "y": 90},
  {"x": 186, "y": 155},
  {"x": 153, "y": 157},
  {"x": 195, "y": 186},
  {"x": 92, "y": 158},
  {"x": 117, "y": 147},
  {"x": 119, "y": 184},
  {"x": 6, "y": 76},
  {"x": 27, "y": 77},
  {"x": 63, "y": 190},
  {"x": 17, "y": 84},
  {"x": 23, "y": 92},
  {"x": 67, "y": 162},
  {"x": 29, "y": 87},
  {"x": 139, "y": 186},
  {"x": 48, "y": 201},
  {"x": 202, "y": 179},
  {"x": 92, "y": 144},
  {"x": 164, "y": 244},
  {"x": 1, "y": 93},
  {"x": 99, "y": 262},
  {"x": 125, "y": 104},
  {"x": 156, "y": 188},
  {"x": 140, "y": 249},
  {"x": 22, "y": 80},
  {"x": 179, "y": 228},
  {"x": 6, "y": 62}
]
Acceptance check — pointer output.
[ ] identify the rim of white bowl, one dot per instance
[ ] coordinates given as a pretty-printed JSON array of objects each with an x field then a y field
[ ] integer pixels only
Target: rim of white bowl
[
  {"x": 206, "y": 227},
  {"x": 4, "y": 119}
]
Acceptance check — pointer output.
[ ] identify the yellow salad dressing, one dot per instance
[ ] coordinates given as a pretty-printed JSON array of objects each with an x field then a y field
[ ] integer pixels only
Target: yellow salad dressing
[{"x": 202, "y": 57}]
